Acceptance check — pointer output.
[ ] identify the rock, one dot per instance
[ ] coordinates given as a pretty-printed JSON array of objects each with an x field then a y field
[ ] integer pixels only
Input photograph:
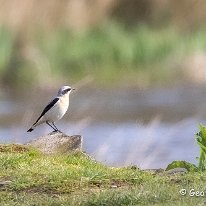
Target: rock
[
  {"x": 57, "y": 142},
  {"x": 177, "y": 170},
  {"x": 174, "y": 171}
]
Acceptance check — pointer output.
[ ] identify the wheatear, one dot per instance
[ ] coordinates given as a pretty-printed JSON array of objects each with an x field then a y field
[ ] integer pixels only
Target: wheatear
[{"x": 55, "y": 110}]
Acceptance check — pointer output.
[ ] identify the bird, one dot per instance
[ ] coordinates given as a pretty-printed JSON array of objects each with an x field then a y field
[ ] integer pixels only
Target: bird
[{"x": 55, "y": 109}]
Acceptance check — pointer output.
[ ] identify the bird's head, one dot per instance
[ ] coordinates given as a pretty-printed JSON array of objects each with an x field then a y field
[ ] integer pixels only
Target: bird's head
[{"x": 65, "y": 90}]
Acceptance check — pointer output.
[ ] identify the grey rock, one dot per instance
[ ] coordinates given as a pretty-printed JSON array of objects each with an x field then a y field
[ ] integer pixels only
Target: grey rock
[
  {"x": 174, "y": 171},
  {"x": 178, "y": 170},
  {"x": 57, "y": 142}
]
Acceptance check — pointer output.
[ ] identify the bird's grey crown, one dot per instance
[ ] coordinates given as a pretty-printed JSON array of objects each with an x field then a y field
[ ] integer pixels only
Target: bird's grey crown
[{"x": 63, "y": 90}]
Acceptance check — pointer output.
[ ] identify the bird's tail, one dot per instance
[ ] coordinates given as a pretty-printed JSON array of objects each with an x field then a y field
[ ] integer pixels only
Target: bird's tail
[{"x": 32, "y": 128}]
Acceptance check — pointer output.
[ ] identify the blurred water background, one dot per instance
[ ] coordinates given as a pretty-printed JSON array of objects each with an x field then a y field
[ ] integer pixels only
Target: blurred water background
[{"x": 139, "y": 68}]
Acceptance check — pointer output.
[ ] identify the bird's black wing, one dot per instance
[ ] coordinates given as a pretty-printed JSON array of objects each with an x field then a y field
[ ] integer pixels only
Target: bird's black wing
[{"x": 48, "y": 107}]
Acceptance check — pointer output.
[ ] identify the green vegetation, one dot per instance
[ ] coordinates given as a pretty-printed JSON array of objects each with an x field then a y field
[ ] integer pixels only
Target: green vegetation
[
  {"x": 110, "y": 54},
  {"x": 201, "y": 141},
  {"x": 28, "y": 177},
  {"x": 182, "y": 164}
]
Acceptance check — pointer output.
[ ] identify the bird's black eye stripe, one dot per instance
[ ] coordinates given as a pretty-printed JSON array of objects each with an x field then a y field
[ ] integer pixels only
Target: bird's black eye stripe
[{"x": 66, "y": 90}]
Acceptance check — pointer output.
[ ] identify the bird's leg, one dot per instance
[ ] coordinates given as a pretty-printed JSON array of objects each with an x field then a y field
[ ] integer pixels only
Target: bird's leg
[{"x": 54, "y": 128}]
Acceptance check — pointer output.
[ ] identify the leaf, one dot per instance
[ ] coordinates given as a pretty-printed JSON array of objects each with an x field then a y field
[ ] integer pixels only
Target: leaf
[
  {"x": 182, "y": 164},
  {"x": 202, "y": 133},
  {"x": 201, "y": 141},
  {"x": 201, "y": 145}
]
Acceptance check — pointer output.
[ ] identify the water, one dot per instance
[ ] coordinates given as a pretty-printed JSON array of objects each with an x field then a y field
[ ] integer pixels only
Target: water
[
  {"x": 123, "y": 134},
  {"x": 149, "y": 146}
]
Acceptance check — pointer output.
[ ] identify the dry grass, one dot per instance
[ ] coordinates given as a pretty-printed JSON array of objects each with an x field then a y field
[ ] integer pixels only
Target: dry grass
[
  {"x": 29, "y": 15},
  {"x": 51, "y": 14}
]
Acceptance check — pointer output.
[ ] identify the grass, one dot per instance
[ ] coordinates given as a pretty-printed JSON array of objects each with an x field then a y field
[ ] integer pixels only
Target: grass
[
  {"x": 201, "y": 141},
  {"x": 28, "y": 177},
  {"x": 111, "y": 54}
]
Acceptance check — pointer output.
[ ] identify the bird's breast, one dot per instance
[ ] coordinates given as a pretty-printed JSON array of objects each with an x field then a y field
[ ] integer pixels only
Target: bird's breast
[
  {"x": 63, "y": 104},
  {"x": 60, "y": 108}
]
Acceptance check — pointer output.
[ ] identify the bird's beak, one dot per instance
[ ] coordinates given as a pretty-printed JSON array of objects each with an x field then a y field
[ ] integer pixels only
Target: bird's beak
[{"x": 73, "y": 89}]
